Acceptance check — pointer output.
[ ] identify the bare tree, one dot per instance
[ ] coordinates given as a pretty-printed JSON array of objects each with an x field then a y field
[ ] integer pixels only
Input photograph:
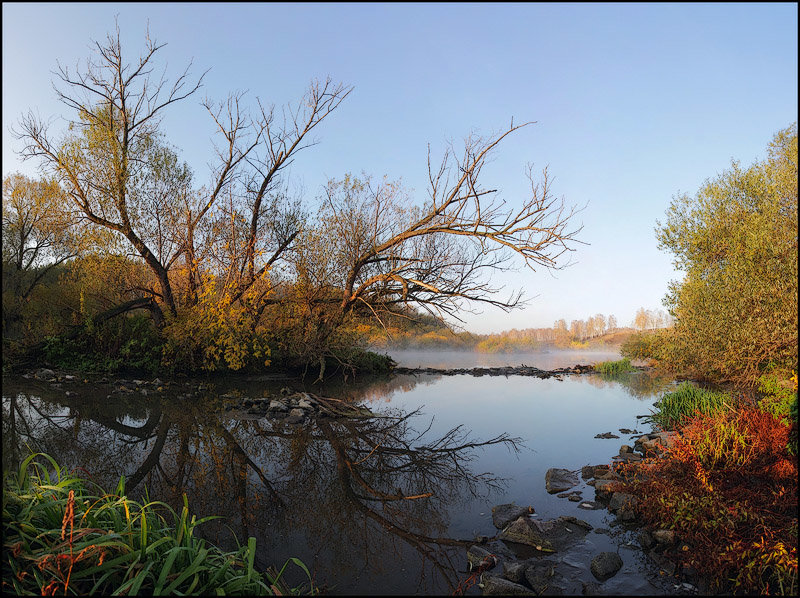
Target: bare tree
[{"x": 118, "y": 108}]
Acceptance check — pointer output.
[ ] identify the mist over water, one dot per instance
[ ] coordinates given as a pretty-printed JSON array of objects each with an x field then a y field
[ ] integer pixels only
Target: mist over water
[{"x": 545, "y": 359}]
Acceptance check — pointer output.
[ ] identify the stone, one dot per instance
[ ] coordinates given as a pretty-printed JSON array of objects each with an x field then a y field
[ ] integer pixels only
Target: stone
[
  {"x": 498, "y": 586},
  {"x": 605, "y": 565},
  {"x": 476, "y": 555},
  {"x": 539, "y": 576},
  {"x": 664, "y": 536},
  {"x": 590, "y": 589},
  {"x": 590, "y": 505},
  {"x": 575, "y": 521},
  {"x": 277, "y": 406},
  {"x": 522, "y": 531},
  {"x": 621, "y": 500},
  {"x": 296, "y": 416},
  {"x": 587, "y": 472},
  {"x": 558, "y": 480},
  {"x": 625, "y": 449},
  {"x": 606, "y": 435},
  {"x": 305, "y": 404},
  {"x": 574, "y": 498},
  {"x": 44, "y": 374},
  {"x": 646, "y": 540},
  {"x": 604, "y": 488},
  {"x": 514, "y": 570},
  {"x": 502, "y": 515}
]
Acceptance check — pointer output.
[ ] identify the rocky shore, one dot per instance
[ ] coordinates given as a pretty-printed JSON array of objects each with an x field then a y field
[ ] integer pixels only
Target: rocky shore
[{"x": 529, "y": 556}]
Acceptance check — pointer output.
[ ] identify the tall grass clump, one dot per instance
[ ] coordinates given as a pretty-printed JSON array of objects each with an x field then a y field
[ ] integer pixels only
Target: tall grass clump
[
  {"x": 611, "y": 368},
  {"x": 61, "y": 537},
  {"x": 675, "y": 408}
]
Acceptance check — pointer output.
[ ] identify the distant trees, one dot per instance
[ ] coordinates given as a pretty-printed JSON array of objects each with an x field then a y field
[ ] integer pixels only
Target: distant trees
[
  {"x": 736, "y": 239},
  {"x": 648, "y": 319}
]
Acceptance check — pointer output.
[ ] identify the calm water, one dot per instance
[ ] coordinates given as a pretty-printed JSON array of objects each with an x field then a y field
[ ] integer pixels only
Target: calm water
[{"x": 330, "y": 493}]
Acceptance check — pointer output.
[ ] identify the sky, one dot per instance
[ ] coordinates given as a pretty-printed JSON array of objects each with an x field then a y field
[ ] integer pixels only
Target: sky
[{"x": 633, "y": 104}]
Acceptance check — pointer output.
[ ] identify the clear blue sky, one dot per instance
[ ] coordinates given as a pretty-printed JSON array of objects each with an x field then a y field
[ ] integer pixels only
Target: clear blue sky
[{"x": 633, "y": 103}]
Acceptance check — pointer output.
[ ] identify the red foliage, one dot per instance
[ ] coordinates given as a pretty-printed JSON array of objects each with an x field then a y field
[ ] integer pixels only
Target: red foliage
[{"x": 729, "y": 489}]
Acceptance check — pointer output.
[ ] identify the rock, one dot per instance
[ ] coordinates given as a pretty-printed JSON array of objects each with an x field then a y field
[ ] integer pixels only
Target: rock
[
  {"x": 574, "y": 498},
  {"x": 606, "y": 435},
  {"x": 627, "y": 431},
  {"x": 590, "y": 589},
  {"x": 664, "y": 536},
  {"x": 497, "y": 586},
  {"x": 476, "y": 555},
  {"x": 44, "y": 374},
  {"x": 605, "y": 565},
  {"x": 539, "y": 576},
  {"x": 514, "y": 570},
  {"x": 646, "y": 540},
  {"x": 69, "y": 378},
  {"x": 157, "y": 382},
  {"x": 629, "y": 457},
  {"x": 296, "y": 416},
  {"x": 625, "y": 449},
  {"x": 305, "y": 404},
  {"x": 621, "y": 500},
  {"x": 522, "y": 531},
  {"x": 575, "y": 521},
  {"x": 590, "y": 505},
  {"x": 663, "y": 563},
  {"x": 502, "y": 515},
  {"x": 277, "y": 406},
  {"x": 587, "y": 472},
  {"x": 604, "y": 488},
  {"x": 558, "y": 480}
]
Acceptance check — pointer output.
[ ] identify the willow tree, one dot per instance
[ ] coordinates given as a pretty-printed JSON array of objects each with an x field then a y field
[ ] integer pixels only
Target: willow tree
[
  {"x": 736, "y": 238},
  {"x": 118, "y": 169},
  {"x": 374, "y": 250}
]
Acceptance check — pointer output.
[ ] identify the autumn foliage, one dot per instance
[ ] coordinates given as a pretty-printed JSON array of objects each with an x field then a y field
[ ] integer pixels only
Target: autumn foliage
[{"x": 728, "y": 488}]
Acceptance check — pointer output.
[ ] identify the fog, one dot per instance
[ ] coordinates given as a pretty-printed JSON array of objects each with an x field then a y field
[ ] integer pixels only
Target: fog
[{"x": 547, "y": 359}]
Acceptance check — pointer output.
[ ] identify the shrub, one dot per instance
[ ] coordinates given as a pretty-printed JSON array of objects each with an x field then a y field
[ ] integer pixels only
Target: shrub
[{"x": 729, "y": 490}]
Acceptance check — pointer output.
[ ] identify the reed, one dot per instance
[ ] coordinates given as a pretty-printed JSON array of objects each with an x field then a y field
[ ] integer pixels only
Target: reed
[
  {"x": 675, "y": 408},
  {"x": 612, "y": 368},
  {"x": 62, "y": 533}
]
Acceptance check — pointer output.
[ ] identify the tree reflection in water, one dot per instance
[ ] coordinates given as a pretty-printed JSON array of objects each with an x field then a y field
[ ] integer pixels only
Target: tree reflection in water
[{"x": 352, "y": 497}]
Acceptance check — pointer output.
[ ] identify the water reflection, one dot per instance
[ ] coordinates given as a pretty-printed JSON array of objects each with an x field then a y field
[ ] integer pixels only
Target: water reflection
[{"x": 365, "y": 501}]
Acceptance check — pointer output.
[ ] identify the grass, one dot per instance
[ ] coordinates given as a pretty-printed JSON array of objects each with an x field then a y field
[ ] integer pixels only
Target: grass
[
  {"x": 675, "y": 408},
  {"x": 60, "y": 536},
  {"x": 612, "y": 368}
]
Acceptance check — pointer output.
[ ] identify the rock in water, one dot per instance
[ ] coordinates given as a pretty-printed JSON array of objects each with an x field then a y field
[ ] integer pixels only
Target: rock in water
[
  {"x": 605, "y": 565},
  {"x": 522, "y": 532},
  {"x": 497, "y": 586},
  {"x": 502, "y": 515},
  {"x": 558, "y": 480}
]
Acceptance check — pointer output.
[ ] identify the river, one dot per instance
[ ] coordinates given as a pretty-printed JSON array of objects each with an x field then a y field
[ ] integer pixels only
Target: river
[{"x": 371, "y": 506}]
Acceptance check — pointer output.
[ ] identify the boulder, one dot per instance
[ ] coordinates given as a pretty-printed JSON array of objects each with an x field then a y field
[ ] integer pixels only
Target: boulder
[
  {"x": 606, "y": 435},
  {"x": 476, "y": 555},
  {"x": 502, "y": 515},
  {"x": 622, "y": 501},
  {"x": 44, "y": 374},
  {"x": 605, "y": 565},
  {"x": 277, "y": 406},
  {"x": 514, "y": 570},
  {"x": 603, "y": 489},
  {"x": 558, "y": 480},
  {"x": 522, "y": 531},
  {"x": 497, "y": 586},
  {"x": 664, "y": 536},
  {"x": 540, "y": 576},
  {"x": 646, "y": 540}
]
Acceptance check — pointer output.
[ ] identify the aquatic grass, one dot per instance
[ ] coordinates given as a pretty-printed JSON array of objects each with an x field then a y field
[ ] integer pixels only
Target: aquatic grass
[
  {"x": 612, "y": 368},
  {"x": 675, "y": 408},
  {"x": 62, "y": 533}
]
